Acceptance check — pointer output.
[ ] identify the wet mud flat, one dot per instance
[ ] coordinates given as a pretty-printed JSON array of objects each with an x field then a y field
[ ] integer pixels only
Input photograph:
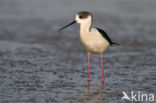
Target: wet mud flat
[{"x": 39, "y": 64}]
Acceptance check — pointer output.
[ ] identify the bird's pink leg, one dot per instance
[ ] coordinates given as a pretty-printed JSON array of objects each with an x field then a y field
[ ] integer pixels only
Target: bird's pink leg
[
  {"x": 102, "y": 79},
  {"x": 88, "y": 67}
]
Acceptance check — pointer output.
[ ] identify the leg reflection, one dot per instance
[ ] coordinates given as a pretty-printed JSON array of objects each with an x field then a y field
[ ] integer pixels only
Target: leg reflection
[
  {"x": 101, "y": 92},
  {"x": 88, "y": 91},
  {"x": 93, "y": 98},
  {"x": 88, "y": 87}
]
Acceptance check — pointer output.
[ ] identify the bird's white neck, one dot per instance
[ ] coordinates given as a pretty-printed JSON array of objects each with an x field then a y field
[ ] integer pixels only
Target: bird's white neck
[{"x": 85, "y": 27}]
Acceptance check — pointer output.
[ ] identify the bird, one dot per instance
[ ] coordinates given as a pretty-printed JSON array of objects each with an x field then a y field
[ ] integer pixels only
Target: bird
[{"x": 94, "y": 40}]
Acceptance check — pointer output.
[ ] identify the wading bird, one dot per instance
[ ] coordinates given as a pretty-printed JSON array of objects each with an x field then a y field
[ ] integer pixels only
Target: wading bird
[{"x": 94, "y": 40}]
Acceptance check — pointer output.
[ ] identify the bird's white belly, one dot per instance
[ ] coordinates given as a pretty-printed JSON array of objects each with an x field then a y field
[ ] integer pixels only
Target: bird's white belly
[{"x": 94, "y": 43}]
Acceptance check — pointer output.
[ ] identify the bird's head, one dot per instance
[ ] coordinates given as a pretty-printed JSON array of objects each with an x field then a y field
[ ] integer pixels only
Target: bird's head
[{"x": 82, "y": 17}]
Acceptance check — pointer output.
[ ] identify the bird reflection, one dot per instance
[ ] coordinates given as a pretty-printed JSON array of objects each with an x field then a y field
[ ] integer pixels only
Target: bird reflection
[
  {"x": 88, "y": 90},
  {"x": 100, "y": 94}
]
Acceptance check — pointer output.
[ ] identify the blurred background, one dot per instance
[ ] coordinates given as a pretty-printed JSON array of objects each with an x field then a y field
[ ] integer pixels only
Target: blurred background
[
  {"x": 39, "y": 64},
  {"x": 32, "y": 20}
]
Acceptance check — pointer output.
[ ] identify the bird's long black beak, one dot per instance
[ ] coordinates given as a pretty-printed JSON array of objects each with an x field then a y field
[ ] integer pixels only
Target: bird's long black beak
[{"x": 68, "y": 25}]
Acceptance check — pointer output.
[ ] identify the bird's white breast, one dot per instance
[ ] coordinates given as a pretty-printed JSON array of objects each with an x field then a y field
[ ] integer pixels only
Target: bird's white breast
[{"x": 93, "y": 41}]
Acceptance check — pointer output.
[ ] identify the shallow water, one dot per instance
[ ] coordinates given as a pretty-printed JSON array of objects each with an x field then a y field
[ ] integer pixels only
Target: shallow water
[{"x": 38, "y": 64}]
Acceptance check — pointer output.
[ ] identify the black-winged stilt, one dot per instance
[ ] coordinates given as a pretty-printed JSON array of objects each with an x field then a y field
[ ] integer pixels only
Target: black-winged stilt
[{"x": 94, "y": 40}]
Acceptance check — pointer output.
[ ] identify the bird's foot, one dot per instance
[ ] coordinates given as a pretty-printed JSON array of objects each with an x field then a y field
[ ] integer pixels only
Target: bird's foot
[
  {"x": 102, "y": 79},
  {"x": 89, "y": 79}
]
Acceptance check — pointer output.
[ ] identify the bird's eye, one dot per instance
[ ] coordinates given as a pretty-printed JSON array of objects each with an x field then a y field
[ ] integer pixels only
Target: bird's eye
[{"x": 80, "y": 17}]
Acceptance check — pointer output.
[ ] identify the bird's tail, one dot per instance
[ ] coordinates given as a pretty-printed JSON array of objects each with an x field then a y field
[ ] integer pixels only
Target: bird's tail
[{"x": 113, "y": 43}]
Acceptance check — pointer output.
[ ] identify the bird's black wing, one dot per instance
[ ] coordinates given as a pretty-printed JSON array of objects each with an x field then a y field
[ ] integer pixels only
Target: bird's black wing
[{"x": 104, "y": 34}]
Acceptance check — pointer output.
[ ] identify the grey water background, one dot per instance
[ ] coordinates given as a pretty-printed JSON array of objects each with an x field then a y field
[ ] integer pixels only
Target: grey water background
[{"x": 38, "y": 64}]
